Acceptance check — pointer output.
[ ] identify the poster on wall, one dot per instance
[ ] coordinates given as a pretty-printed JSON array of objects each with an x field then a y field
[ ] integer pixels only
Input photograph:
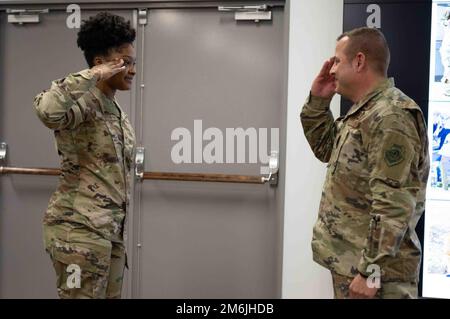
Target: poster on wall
[{"x": 436, "y": 267}]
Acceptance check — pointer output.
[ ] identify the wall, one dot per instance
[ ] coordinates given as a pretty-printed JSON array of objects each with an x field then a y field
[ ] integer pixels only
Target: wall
[{"x": 314, "y": 27}]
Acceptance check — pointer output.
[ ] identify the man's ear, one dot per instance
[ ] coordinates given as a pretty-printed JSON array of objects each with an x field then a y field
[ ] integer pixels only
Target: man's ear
[{"x": 360, "y": 61}]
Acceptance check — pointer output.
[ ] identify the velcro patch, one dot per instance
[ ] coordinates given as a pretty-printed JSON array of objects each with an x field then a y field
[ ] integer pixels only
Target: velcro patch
[{"x": 394, "y": 155}]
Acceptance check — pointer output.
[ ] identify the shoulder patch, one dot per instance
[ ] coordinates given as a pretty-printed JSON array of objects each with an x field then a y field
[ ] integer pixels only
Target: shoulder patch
[{"x": 394, "y": 155}]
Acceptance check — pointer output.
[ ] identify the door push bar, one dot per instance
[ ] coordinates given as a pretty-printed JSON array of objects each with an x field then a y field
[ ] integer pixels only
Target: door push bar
[{"x": 272, "y": 178}]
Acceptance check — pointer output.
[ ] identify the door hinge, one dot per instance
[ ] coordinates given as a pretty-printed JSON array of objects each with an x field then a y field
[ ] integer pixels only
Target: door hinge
[
  {"x": 249, "y": 13},
  {"x": 22, "y": 16}
]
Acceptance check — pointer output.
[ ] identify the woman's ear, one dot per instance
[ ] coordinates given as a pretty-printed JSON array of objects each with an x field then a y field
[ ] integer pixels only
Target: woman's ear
[{"x": 98, "y": 60}]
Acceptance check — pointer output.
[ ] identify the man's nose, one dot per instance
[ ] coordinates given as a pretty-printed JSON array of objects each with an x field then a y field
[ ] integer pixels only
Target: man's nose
[{"x": 332, "y": 70}]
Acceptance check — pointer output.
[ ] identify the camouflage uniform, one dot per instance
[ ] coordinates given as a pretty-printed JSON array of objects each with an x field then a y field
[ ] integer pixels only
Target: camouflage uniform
[
  {"x": 374, "y": 192},
  {"x": 388, "y": 290},
  {"x": 85, "y": 218}
]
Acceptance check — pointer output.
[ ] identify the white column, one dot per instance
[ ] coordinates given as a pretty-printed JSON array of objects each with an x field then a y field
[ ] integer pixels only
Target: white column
[{"x": 313, "y": 29}]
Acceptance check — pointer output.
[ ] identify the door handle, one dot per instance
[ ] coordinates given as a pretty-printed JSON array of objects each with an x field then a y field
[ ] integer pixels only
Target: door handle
[
  {"x": 3, "y": 146},
  {"x": 139, "y": 163},
  {"x": 272, "y": 179}
]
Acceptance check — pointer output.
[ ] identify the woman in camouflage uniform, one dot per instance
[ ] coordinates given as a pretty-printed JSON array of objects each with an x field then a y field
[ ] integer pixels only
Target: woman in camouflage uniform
[{"x": 84, "y": 222}]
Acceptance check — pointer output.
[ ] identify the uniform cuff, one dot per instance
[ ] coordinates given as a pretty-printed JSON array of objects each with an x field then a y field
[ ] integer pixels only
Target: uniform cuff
[
  {"x": 88, "y": 75},
  {"x": 362, "y": 268},
  {"x": 318, "y": 103}
]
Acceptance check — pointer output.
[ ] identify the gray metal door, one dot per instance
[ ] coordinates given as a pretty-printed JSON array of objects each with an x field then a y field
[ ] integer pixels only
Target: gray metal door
[
  {"x": 186, "y": 239},
  {"x": 198, "y": 239},
  {"x": 32, "y": 55}
]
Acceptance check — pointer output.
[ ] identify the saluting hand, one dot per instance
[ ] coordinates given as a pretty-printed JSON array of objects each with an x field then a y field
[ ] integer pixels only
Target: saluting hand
[
  {"x": 324, "y": 85},
  {"x": 106, "y": 70}
]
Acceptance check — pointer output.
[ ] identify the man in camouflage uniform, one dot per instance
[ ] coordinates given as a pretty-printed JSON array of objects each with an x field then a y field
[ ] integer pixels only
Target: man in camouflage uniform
[
  {"x": 84, "y": 222},
  {"x": 378, "y": 164}
]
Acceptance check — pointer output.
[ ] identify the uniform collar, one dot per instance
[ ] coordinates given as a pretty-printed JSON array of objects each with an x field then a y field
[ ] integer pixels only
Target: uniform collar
[
  {"x": 384, "y": 85},
  {"x": 106, "y": 104}
]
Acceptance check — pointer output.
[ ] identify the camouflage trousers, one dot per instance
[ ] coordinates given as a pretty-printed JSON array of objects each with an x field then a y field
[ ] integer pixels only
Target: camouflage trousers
[
  {"x": 388, "y": 290},
  {"x": 86, "y": 264}
]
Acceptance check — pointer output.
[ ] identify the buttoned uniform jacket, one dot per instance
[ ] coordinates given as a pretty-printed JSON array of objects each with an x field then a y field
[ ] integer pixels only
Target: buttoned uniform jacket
[
  {"x": 95, "y": 142},
  {"x": 374, "y": 191}
]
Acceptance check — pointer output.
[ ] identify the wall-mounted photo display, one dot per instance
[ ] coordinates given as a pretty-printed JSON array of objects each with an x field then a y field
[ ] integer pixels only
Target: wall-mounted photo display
[
  {"x": 440, "y": 52},
  {"x": 439, "y": 139},
  {"x": 436, "y": 263}
]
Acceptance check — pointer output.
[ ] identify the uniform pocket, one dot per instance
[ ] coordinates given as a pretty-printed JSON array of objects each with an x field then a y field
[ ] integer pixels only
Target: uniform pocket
[
  {"x": 337, "y": 153},
  {"x": 78, "y": 246}
]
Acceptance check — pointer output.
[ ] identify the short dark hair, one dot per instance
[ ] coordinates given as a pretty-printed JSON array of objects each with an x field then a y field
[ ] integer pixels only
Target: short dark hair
[
  {"x": 372, "y": 43},
  {"x": 102, "y": 33}
]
